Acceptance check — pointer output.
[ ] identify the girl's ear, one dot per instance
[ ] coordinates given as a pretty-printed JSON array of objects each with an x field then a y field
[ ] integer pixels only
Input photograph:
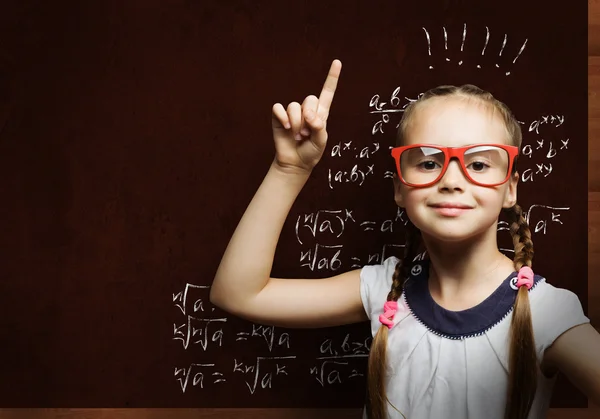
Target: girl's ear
[
  {"x": 397, "y": 192},
  {"x": 511, "y": 192}
]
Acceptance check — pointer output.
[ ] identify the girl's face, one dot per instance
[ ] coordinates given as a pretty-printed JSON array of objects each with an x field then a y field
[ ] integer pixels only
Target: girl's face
[{"x": 454, "y": 122}]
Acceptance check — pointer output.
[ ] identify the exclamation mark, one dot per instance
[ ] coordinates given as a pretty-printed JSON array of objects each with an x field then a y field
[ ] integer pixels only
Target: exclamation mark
[
  {"x": 428, "y": 45},
  {"x": 487, "y": 38},
  {"x": 462, "y": 45},
  {"x": 502, "y": 49},
  {"x": 446, "y": 43},
  {"x": 520, "y": 51}
]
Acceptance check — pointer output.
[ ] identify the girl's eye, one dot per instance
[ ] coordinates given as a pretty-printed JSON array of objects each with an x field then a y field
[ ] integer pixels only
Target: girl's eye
[
  {"x": 479, "y": 166},
  {"x": 428, "y": 165}
]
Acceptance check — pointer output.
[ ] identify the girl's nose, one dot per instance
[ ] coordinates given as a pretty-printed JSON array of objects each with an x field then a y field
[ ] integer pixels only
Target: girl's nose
[{"x": 454, "y": 178}]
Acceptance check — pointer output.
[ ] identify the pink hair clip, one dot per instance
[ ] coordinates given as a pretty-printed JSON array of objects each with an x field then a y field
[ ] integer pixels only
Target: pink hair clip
[
  {"x": 389, "y": 309},
  {"x": 525, "y": 277}
]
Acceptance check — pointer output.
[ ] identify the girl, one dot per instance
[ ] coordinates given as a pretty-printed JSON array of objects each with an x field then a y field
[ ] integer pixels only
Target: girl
[{"x": 467, "y": 333}]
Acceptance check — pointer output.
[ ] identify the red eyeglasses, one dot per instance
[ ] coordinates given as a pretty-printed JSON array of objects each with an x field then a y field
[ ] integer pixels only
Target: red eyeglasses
[{"x": 422, "y": 165}]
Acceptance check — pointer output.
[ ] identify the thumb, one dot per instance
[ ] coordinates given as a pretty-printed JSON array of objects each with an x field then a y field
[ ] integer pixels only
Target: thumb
[
  {"x": 317, "y": 127},
  {"x": 314, "y": 121}
]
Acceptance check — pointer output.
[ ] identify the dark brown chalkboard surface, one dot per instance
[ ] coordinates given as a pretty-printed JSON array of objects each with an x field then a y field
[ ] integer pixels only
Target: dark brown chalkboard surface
[{"x": 134, "y": 134}]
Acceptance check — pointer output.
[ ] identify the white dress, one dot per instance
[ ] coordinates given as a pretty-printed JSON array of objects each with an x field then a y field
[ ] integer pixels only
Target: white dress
[{"x": 454, "y": 365}]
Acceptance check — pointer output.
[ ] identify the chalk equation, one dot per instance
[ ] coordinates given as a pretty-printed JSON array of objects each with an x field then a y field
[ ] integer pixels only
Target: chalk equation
[
  {"x": 330, "y": 258},
  {"x": 377, "y": 107},
  {"x": 395, "y": 104},
  {"x": 199, "y": 331},
  {"x": 333, "y": 223},
  {"x": 365, "y": 152},
  {"x": 271, "y": 367},
  {"x": 267, "y": 333},
  {"x": 199, "y": 326},
  {"x": 332, "y": 370},
  {"x": 345, "y": 347},
  {"x": 260, "y": 373},
  {"x": 543, "y": 149},
  {"x": 544, "y": 217},
  {"x": 356, "y": 175},
  {"x": 333, "y": 360},
  {"x": 550, "y": 120},
  {"x": 336, "y": 361},
  {"x": 198, "y": 373},
  {"x": 324, "y": 230}
]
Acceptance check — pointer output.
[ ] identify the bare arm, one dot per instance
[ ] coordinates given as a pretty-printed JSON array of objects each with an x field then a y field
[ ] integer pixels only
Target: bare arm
[
  {"x": 242, "y": 284},
  {"x": 247, "y": 262},
  {"x": 576, "y": 353}
]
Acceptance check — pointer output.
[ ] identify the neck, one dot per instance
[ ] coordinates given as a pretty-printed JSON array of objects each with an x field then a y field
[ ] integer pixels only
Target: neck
[{"x": 468, "y": 270}]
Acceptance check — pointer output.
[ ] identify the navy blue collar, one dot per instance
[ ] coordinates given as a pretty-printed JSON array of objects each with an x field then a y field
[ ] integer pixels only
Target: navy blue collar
[{"x": 458, "y": 324}]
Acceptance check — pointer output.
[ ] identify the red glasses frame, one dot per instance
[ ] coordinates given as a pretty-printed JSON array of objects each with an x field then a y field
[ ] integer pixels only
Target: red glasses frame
[{"x": 458, "y": 153}]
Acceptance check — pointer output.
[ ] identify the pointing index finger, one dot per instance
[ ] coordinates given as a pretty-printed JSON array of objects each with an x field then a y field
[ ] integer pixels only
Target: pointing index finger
[{"x": 326, "y": 96}]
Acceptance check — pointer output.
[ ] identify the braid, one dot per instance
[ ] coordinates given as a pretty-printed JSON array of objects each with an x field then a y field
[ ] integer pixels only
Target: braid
[
  {"x": 402, "y": 271},
  {"x": 376, "y": 393},
  {"x": 522, "y": 382},
  {"x": 521, "y": 235}
]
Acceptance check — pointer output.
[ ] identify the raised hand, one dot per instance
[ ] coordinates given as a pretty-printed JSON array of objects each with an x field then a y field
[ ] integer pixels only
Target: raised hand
[{"x": 300, "y": 132}]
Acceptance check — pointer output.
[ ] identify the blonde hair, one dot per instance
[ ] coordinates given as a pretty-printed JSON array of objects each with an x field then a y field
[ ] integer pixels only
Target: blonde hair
[{"x": 522, "y": 382}]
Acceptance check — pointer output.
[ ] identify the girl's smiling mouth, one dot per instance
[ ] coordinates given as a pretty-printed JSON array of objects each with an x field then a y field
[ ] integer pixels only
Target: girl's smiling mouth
[{"x": 450, "y": 209}]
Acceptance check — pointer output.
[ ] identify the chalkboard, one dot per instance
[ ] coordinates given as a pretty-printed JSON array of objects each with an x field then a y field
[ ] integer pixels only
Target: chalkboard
[{"x": 134, "y": 135}]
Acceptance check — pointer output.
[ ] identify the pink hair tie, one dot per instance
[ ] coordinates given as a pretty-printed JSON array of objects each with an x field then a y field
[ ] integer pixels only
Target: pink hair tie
[
  {"x": 525, "y": 277},
  {"x": 389, "y": 309}
]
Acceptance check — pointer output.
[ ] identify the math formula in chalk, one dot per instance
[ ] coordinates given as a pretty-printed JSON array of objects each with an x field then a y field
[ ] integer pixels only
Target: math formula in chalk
[
  {"x": 359, "y": 172},
  {"x": 332, "y": 361},
  {"x": 327, "y": 226},
  {"x": 333, "y": 223},
  {"x": 335, "y": 363},
  {"x": 544, "y": 148},
  {"x": 321, "y": 233}
]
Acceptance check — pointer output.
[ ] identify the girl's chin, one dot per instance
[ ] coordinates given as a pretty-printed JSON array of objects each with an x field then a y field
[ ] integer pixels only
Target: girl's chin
[{"x": 448, "y": 234}]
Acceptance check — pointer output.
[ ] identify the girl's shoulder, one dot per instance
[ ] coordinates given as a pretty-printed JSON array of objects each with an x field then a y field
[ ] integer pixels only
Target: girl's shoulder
[
  {"x": 375, "y": 284},
  {"x": 549, "y": 296},
  {"x": 554, "y": 310},
  {"x": 551, "y": 301}
]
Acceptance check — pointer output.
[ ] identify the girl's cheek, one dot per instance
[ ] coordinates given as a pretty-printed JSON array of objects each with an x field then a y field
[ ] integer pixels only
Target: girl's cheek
[{"x": 410, "y": 212}]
